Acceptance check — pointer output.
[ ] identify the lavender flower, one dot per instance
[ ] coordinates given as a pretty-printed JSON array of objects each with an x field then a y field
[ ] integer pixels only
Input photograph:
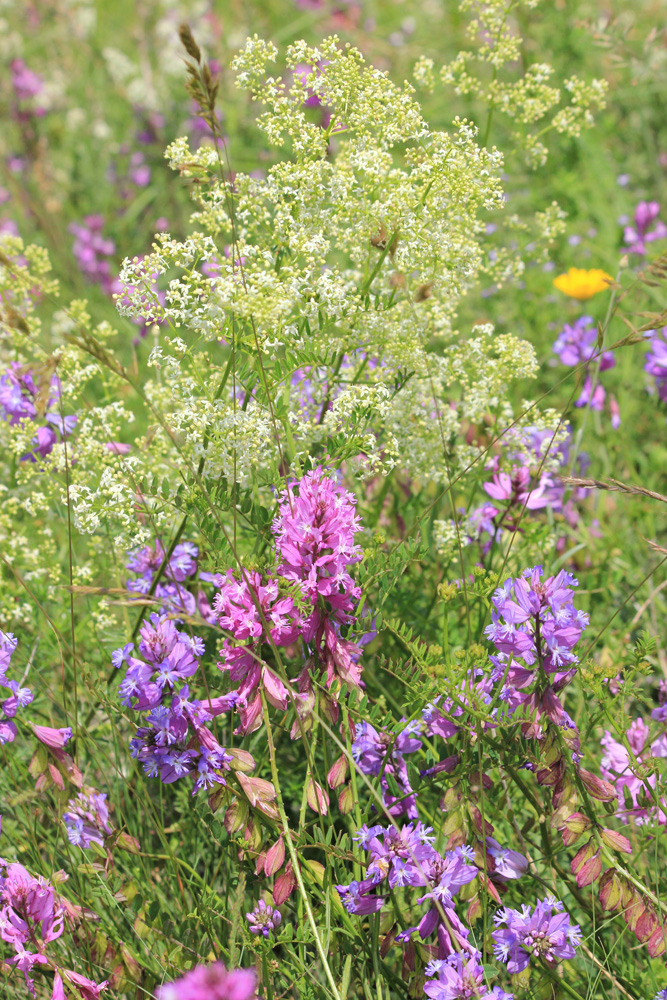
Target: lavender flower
[
  {"x": 181, "y": 567},
  {"x": 382, "y": 754},
  {"x": 93, "y": 252},
  {"x": 264, "y": 919},
  {"x": 176, "y": 740},
  {"x": 636, "y": 237},
  {"x": 19, "y": 696},
  {"x": 406, "y": 857},
  {"x": 460, "y": 976},
  {"x": 18, "y": 399},
  {"x": 507, "y": 864},
  {"x": 474, "y": 690},
  {"x": 656, "y": 361},
  {"x": 87, "y": 819},
  {"x": 535, "y": 624},
  {"x": 623, "y": 771},
  {"x": 577, "y": 344},
  {"x": 543, "y": 932}
]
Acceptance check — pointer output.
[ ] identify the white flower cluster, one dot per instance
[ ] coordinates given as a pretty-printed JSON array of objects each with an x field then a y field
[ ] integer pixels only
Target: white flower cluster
[
  {"x": 494, "y": 31},
  {"x": 358, "y": 244}
]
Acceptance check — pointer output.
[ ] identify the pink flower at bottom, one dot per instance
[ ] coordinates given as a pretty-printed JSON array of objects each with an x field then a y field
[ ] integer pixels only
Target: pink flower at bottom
[{"x": 211, "y": 982}]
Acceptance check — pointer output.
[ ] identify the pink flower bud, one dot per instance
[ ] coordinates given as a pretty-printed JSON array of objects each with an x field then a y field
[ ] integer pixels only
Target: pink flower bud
[
  {"x": 610, "y": 890},
  {"x": 317, "y": 798},
  {"x": 346, "y": 800},
  {"x": 276, "y": 692},
  {"x": 598, "y": 787},
  {"x": 337, "y": 772},
  {"x": 284, "y": 885},
  {"x": 275, "y": 857},
  {"x": 616, "y": 841}
]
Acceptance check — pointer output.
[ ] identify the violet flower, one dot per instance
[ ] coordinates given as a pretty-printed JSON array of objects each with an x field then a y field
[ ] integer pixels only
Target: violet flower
[
  {"x": 19, "y": 696},
  {"x": 541, "y": 932},
  {"x": 383, "y": 754},
  {"x": 264, "y": 919},
  {"x": 18, "y": 398},
  {"x": 171, "y": 590},
  {"x": 508, "y": 864},
  {"x": 406, "y": 857},
  {"x": 535, "y": 624},
  {"x": 176, "y": 741},
  {"x": 577, "y": 344},
  {"x": 636, "y": 237},
  {"x": 211, "y": 982},
  {"x": 620, "y": 768},
  {"x": 460, "y": 977},
  {"x": 87, "y": 819},
  {"x": 94, "y": 252},
  {"x": 656, "y": 361}
]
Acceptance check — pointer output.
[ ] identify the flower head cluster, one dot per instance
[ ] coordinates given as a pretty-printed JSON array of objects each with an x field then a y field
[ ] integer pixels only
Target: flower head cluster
[
  {"x": 656, "y": 361},
  {"x": 540, "y": 932},
  {"x": 315, "y": 530},
  {"x": 460, "y": 976},
  {"x": 406, "y": 857},
  {"x": 211, "y": 982},
  {"x": 577, "y": 344},
  {"x": 31, "y": 916},
  {"x": 264, "y": 919},
  {"x": 19, "y": 401},
  {"x": 172, "y": 586},
  {"x": 93, "y": 253},
  {"x": 175, "y": 741},
  {"x": 581, "y": 284},
  {"x": 647, "y": 228},
  {"x": 19, "y": 696},
  {"x": 254, "y": 612},
  {"x": 87, "y": 819},
  {"x": 535, "y": 626},
  {"x": 383, "y": 754},
  {"x": 623, "y": 766}
]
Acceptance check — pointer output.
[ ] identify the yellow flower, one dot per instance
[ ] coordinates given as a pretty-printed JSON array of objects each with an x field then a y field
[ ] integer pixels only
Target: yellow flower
[{"x": 581, "y": 284}]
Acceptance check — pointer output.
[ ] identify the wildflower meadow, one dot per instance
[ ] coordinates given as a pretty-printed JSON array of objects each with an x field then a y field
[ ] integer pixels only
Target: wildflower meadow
[{"x": 333, "y": 513}]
